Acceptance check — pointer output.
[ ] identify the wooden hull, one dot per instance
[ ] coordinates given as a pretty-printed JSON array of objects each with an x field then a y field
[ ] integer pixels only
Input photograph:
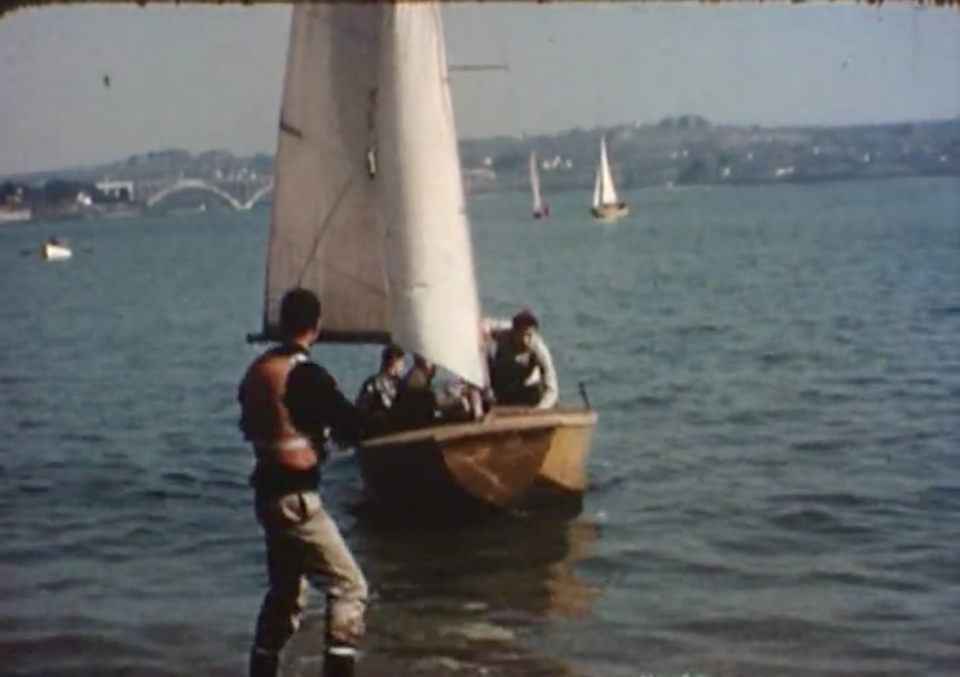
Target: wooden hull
[
  {"x": 609, "y": 212},
  {"x": 518, "y": 459}
]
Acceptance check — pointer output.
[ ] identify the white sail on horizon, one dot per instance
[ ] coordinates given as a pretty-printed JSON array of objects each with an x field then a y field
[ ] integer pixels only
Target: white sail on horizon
[
  {"x": 604, "y": 191},
  {"x": 535, "y": 183}
]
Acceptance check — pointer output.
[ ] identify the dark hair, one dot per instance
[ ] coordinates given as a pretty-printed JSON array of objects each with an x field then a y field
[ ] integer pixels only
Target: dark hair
[
  {"x": 390, "y": 354},
  {"x": 299, "y": 311},
  {"x": 524, "y": 320}
]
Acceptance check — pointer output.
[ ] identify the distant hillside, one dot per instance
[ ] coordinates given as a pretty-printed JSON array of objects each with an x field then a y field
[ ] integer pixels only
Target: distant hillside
[
  {"x": 689, "y": 150},
  {"x": 166, "y": 163},
  {"x": 679, "y": 150}
]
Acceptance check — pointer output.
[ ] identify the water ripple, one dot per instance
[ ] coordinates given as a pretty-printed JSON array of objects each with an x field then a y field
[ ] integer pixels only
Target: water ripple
[{"x": 774, "y": 485}]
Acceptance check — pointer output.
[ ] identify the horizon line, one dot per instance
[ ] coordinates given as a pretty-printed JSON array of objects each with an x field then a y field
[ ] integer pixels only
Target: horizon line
[{"x": 521, "y": 136}]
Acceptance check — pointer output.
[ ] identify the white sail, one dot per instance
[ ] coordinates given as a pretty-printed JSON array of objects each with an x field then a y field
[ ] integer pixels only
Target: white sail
[
  {"x": 434, "y": 301},
  {"x": 597, "y": 187},
  {"x": 535, "y": 183},
  {"x": 325, "y": 233},
  {"x": 606, "y": 192}
]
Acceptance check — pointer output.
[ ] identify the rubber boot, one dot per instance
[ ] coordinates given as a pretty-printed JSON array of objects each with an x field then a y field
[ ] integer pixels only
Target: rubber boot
[
  {"x": 339, "y": 658},
  {"x": 263, "y": 664}
]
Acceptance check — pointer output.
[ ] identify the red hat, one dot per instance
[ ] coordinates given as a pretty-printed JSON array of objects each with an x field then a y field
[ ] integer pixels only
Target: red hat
[{"x": 525, "y": 319}]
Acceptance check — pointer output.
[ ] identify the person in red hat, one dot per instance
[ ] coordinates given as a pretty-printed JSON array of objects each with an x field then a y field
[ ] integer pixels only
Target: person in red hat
[{"x": 521, "y": 366}]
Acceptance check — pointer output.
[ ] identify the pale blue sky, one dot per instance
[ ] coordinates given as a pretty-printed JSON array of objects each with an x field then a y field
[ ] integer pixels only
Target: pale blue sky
[{"x": 203, "y": 78}]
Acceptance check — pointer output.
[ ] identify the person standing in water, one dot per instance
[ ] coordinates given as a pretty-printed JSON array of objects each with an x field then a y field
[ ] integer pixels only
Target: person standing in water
[{"x": 290, "y": 405}]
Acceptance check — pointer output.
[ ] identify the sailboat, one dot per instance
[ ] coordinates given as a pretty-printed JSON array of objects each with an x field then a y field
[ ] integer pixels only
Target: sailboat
[
  {"x": 540, "y": 208},
  {"x": 369, "y": 213},
  {"x": 606, "y": 205}
]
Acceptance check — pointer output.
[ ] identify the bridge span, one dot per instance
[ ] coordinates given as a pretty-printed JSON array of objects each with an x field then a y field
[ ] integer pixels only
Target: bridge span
[{"x": 242, "y": 195}]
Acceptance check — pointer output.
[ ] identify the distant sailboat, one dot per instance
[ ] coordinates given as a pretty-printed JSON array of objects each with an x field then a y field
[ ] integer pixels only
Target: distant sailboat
[
  {"x": 540, "y": 208},
  {"x": 606, "y": 205},
  {"x": 369, "y": 213}
]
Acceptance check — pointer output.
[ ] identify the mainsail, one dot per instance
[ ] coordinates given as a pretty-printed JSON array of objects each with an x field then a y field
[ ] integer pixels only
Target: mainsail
[
  {"x": 369, "y": 209},
  {"x": 434, "y": 301},
  {"x": 604, "y": 192},
  {"x": 325, "y": 233}
]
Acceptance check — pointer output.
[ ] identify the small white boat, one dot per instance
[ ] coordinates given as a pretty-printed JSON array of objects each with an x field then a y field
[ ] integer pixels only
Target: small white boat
[{"x": 56, "y": 250}]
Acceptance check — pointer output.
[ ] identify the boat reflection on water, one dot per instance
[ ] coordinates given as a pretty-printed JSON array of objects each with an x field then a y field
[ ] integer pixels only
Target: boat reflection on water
[
  {"x": 465, "y": 599},
  {"x": 524, "y": 566}
]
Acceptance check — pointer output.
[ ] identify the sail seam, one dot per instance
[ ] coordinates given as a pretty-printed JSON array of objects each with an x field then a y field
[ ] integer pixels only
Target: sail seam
[
  {"x": 290, "y": 129},
  {"x": 355, "y": 279}
]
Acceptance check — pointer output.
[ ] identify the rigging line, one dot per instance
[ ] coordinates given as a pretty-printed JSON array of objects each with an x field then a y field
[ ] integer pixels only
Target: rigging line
[
  {"x": 327, "y": 223},
  {"x": 915, "y": 44},
  {"x": 511, "y": 97},
  {"x": 501, "y": 51}
]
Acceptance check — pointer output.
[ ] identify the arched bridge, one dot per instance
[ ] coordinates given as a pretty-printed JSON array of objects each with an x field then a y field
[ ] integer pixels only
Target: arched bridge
[{"x": 245, "y": 201}]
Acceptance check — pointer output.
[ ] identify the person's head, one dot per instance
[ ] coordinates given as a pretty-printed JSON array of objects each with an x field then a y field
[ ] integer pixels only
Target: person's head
[
  {"x": 300, "y": 316},
  {"x": 524, "y": 327},
  {"x": 420, "y": 375},
  {"x": 391, "y": 361},
  {"x": 425, "y": 366}
]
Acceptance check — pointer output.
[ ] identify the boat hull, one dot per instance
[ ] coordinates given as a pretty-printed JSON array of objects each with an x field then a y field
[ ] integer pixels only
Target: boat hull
[
  {"x": 15, "y": 215},
  {"x": 609, "y": 213},
  {"x": 53, "y": 252},
  {"x": 518, "y": 459}
]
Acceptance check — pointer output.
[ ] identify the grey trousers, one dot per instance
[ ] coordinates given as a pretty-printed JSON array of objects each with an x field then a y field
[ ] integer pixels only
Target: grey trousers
[{"x": 304, "y": 544}]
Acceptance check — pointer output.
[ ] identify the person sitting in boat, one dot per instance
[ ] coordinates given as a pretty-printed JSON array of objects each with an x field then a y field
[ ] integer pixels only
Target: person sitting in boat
[
  {"x": 418, "y": 404},
  {"x": 475, "y": 402},
  {"x": 521, "y": 366},
  {"x": 379, "y": 392}
]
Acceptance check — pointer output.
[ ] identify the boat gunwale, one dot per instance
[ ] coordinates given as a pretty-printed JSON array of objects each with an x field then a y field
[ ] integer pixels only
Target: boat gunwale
[{"x": 508, "y": 420}]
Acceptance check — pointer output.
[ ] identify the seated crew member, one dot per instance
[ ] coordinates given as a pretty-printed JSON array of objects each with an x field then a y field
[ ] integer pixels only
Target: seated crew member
[
  {"x": 378, "y": 393},
  {"x": 476, "y": 402},
  {"x": 419, "y": 405},
  {"x": 521, "y": 367},
  {"x": 288, "y": 405}
]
